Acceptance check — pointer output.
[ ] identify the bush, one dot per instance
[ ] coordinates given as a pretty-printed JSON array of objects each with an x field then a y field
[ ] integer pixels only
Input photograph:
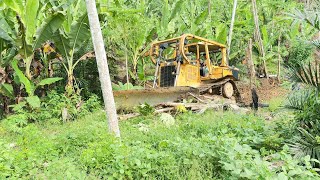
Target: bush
[
  {"x": 305, "y": 139},
  {"x": 55, "y": 109},
  {"x": 299, "y": 54}
]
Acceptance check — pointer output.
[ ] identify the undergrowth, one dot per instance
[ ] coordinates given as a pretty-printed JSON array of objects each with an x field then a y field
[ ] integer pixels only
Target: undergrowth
[{"x": 211, "y": 145}]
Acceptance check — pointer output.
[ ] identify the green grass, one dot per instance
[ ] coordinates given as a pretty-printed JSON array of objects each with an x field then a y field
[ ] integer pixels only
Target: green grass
[
  {"x": 218, "y": 145},
  {"x": 276, "y": 104}
]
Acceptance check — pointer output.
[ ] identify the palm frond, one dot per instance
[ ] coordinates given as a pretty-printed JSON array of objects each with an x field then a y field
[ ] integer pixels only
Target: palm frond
[
  {"x": 307, "y": 143},
  {"x": 307, "y": 74},
  {"x": 312, "y": 17},
  {"x": 297, "y": 99}
]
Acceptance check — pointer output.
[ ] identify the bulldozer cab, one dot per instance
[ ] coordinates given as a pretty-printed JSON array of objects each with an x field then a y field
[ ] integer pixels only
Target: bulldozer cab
[{"x": 189, "y": 60}]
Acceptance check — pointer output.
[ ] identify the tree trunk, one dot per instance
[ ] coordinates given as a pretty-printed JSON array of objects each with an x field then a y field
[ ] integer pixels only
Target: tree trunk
[
  {"x": 209, "y": 8},
  {"x": 231, "y": 27},
  {"x": 250, "y": 65},
  {"x": 258, "y": 36},
  {"x": 127, "y": 70},
  {"x": 69, "y": 86},
  {"x": 279, "y": 59},
  {"x": 103, "y": 68}
]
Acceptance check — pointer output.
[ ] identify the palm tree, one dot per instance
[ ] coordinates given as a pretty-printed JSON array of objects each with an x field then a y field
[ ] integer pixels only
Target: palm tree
[{"x": 306, "y": 142}]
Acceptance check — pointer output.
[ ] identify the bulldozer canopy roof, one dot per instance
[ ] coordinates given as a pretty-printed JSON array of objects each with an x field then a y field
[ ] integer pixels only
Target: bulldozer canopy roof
[
  {"x": 190, "y": 39},
  {"x": 193, "y": 47}
]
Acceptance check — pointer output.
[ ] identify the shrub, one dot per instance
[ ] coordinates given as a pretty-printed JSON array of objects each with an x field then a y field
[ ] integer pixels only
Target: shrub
[{"x": 299, "y": 54}]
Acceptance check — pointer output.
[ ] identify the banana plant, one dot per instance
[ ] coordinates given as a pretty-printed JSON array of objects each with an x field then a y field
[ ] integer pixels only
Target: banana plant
[
  {"x": 20, "y": 35},
  {"x": 124, "y": 31},
  {"x": 30, "y": 87},
  {"x": 70, "y": 43},
  {"x": 33, "y": 27}
]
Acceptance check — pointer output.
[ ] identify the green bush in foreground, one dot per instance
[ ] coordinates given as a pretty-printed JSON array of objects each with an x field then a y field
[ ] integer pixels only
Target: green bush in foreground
[
  {"x": 55, "y": 109},
  {"x": 213, "y": 145}
]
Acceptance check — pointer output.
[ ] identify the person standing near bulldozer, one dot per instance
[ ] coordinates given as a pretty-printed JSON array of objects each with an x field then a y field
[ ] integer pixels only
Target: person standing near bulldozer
[{"x": 255, "y": 99}]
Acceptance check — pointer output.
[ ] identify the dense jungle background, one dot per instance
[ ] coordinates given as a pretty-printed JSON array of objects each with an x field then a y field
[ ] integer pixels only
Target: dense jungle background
[{"x": 52, "y": 121}]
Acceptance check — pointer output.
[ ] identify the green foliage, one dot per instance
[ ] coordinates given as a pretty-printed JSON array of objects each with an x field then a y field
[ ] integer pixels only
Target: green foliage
[
  {"x": 31, "y": 10},
  {"x": 309, "y": 112},
  {"x": 296, "y": 100},
  {"x": 275, "y": 104},
  {"x": 307, "y": 104},
  {"x": 21, "y": 78},
  {"x": 6, "y": 90},
  {"x": 75, "y": 107},
  {"x": 213, "y": 145},
  {"x": 188, "y": 146},
  {"x": 307, "y": 143},
  {"x": 126, "y": 86},
  {"x": 34, "y": 153},
  {"x": 49, "y": 27},
  {"x": 33, "y": 101},
  {"x": 145, "y": 109},
  {"x": 219, "y": 149},
  {"x": 307, "y": 74},
  {"x": 55, "y": 108},
  {"x": 305, "y": 140},
  {"x": 29, "y": 86},
  {"x": 299, "y": 54}
]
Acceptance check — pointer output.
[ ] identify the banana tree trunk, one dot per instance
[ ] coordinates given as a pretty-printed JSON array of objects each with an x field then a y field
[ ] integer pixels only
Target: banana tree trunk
[
  {"x": 135, "y": 64},
  {"x": 103, "y": 68},
  {"x": 70, "y": 80},
  {"x": 28, "y": 62}
]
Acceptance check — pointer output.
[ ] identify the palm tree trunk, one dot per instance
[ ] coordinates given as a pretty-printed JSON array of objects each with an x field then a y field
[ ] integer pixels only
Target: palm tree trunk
[
  {"x": 209, "y": 8},
  {"x": 231, "y": 27},
  {"x": 103, "y": 68}
]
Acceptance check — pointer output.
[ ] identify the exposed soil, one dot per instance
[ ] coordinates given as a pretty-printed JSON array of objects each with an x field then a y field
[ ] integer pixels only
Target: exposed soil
[{"x": 266, "y": 90}]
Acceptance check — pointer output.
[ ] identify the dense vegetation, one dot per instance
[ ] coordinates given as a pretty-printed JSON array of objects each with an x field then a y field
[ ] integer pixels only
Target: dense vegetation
[
  {"x": 213, "y": 145},
  {"x": 52, "y": 124}
]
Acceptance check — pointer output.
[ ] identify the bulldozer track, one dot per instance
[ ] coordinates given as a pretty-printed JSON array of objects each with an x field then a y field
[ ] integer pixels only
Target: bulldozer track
[{"x": 205, "y": 87}]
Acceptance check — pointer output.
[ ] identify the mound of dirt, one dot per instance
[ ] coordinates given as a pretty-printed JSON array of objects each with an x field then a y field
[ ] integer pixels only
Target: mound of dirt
[{"x": 266, "y": 91}]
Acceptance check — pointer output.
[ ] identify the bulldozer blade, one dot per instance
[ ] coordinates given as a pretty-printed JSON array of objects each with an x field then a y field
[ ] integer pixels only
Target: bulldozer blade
[{"x": 126, "y": 99}]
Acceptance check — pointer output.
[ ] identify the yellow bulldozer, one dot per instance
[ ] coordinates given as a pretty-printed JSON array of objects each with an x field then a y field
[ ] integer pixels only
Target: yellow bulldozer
[{"x": 184, "y": 65}]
